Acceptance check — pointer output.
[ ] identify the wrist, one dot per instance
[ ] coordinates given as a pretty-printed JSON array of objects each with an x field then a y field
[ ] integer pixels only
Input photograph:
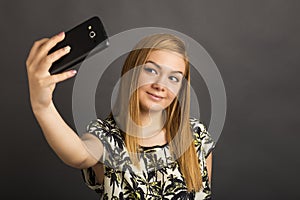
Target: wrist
[{"x": 39, "y": 109}]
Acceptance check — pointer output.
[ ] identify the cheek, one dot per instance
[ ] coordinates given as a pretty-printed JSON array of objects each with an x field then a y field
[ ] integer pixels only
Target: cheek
[
  {"x": 172, "y": 95},
  {"x": 173, "y": 90}
]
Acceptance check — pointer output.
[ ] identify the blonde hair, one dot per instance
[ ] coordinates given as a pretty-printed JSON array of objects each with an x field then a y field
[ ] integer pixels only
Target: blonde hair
[{"x": 177, "y": 113}]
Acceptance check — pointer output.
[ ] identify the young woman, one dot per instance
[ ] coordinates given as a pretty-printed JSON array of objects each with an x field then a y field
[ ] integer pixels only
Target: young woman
[{"x": 148, "y": 148}]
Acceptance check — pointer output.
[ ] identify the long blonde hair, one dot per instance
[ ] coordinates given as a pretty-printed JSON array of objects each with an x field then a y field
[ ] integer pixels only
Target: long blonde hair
[{"x": 177, "y": 114}]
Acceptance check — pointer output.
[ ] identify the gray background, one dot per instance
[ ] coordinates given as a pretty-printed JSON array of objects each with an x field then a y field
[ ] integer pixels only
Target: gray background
[{"x": 255, "y": 45}]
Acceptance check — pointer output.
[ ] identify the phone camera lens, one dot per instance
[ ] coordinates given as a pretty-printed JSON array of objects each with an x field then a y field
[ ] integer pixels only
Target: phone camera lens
[{"x": 92, "y": 34}]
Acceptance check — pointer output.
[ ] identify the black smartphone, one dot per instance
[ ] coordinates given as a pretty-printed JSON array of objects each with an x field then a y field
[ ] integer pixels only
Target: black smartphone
[{"x": 85, "y": 39}]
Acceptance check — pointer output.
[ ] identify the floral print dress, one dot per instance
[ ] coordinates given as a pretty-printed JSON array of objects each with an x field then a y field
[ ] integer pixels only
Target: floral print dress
[{"x": 158, "y": 177}]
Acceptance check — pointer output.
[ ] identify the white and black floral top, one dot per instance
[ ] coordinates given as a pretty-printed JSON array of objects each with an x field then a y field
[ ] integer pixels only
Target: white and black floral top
[{"x": 159, "y": 176}]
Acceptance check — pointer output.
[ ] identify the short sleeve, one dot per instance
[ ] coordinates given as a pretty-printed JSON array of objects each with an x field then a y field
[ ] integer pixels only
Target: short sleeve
[
  {"x": 90, "y": 180},
  {"x": 203, "y": 140},
  {"x": 97, "y": 128},
  {"x": 110, "y": 137},
  {"x": 113, "y": 146}
]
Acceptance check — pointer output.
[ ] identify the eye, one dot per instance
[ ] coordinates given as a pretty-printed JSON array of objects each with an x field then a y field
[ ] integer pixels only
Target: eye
[
  {"x": 173, "y": 78},
  {"x": 150, "y": 70}
]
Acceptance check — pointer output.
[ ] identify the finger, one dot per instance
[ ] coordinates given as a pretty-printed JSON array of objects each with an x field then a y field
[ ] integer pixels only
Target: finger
[
  {"x": 61, "y": 77},
  {"x": 45, "y": 48},
  {"x": 51, "y": 58},
  {"x": 34, "y": 49}
]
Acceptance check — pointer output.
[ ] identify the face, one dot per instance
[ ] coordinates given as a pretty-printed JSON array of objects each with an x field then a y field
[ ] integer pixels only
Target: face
[{"x": 160, "y": 80}]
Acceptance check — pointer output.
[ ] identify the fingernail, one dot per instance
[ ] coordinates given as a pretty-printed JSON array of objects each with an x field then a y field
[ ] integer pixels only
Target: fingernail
[
  {"x": 61, "y": 34},
  {"x": 73, "y": 72},
  {"x": 67, "y": 49}
]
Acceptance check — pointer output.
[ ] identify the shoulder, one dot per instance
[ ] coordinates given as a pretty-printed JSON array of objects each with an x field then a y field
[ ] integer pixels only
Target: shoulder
[
  {"x": 97, "y": 124},
  {"x": 109, "y": 134},
  {"x": 107, "y": 125},
  {"x": 197, "y": 126}
]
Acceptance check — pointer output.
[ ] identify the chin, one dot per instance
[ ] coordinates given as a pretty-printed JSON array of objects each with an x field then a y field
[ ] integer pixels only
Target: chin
[{"x": 153, "y": 107}]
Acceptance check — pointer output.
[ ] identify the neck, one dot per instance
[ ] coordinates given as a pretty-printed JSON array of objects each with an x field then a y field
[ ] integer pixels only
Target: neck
[{"x": 152, "y": 123}]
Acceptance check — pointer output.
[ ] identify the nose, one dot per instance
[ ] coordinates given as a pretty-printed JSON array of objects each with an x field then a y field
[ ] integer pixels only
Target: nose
[{"x": 158, "y": 87}]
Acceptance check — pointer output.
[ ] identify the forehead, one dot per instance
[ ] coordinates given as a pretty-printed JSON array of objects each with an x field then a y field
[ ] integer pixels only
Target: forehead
[{"x": 168, "y": 59}]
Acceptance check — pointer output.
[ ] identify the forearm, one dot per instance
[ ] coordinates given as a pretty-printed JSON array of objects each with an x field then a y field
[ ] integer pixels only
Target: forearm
[{"x": 62, "y": 139}]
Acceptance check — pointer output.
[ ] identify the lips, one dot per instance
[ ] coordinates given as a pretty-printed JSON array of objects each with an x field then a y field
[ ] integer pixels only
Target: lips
[{"x": 154, "y": 96}]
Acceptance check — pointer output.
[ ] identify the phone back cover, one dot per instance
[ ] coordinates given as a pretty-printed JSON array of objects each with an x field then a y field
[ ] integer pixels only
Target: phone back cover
[{"x": 81, "y": 43}]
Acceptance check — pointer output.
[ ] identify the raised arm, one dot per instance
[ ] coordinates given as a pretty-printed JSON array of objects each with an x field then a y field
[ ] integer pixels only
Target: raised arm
[{"x": 71, "y": 149}]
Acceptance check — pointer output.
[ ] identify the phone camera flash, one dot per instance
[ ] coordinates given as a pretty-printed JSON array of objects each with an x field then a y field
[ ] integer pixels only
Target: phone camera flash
[{"x": 89, "y": 27}]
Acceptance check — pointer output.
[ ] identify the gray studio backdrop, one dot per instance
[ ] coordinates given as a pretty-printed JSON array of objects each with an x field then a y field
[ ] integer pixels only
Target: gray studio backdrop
[{"x": 255, "y": 45}]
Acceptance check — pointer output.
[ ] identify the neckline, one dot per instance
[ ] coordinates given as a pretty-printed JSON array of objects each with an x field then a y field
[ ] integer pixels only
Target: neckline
[
  {"x": 142, "y": 147},
  {"x": 155, "y": 146}
]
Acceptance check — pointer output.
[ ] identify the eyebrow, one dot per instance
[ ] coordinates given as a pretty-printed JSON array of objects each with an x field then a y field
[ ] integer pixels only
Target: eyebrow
[{"x": 158, "y": 66}]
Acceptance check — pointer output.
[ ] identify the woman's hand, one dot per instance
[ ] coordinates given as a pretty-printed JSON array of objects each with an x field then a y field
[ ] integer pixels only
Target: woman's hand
[{"x": 38, "y": 63}]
